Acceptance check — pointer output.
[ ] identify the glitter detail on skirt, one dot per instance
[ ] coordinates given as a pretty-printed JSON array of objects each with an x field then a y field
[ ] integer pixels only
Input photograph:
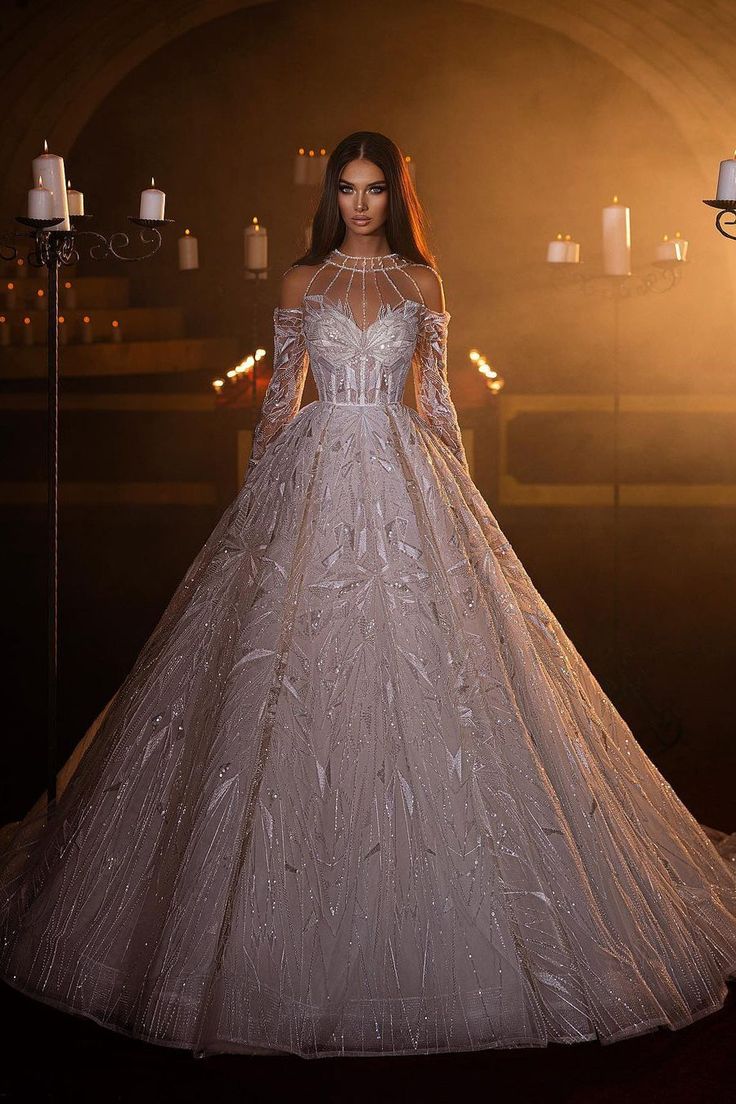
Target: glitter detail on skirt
[{"x": 360, "y": 794}]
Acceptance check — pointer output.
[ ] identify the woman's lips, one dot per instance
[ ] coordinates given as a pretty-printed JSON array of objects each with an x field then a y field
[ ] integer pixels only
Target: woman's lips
[{"x": 361, "y": 220}]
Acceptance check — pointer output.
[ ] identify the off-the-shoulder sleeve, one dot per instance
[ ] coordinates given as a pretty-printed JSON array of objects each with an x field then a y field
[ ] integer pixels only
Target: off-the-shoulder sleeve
[
  {"x": 286, "y": 386},
  {"x": 430, "y": 381}
]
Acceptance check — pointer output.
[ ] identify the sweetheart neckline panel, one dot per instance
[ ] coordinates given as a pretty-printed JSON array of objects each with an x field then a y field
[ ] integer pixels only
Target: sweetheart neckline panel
[{"x": 391, "y": 308}]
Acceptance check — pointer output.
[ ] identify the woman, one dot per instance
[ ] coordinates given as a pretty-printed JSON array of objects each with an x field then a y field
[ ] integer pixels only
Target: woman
[{"x": 359, "y": 793}]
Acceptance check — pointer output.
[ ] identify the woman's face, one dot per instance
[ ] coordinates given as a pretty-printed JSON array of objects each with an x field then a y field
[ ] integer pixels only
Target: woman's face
[{"x": 362, "y": 194}]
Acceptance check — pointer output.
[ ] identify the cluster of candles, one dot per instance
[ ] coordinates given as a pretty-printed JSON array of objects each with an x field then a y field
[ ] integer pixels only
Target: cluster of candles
[
  {"x": 238, "y": 374},
  {"x": 255, "y": 248},
  {"x": 494, "y": 382},
  {"x": 616, "y": 227},
  {"x": 87, "y": 333},
  {"x": 69, "y": 303},
  {"x": 54, "y": 197}
]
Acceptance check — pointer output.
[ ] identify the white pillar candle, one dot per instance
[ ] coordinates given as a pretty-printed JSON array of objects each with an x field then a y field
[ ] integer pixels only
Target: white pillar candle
[
  {"x": 63, "y": 331},
  {"x": 40, "y": 202},
  {"x": 50, "y": 167},
  {"x": 40, "y": 299},
  {"x": 321, "y": 165},
  {"x": 410, "y": 164},
  {"x": 573, "y": 250},
  {"x": 117, "y": 331},
  {"x": 256, "y": 247},
  {"x": 27, "y": 331},
  {"x": 667, "y": 250},
  {"x": 70, "y": 296},
  {"x": 726, "y": 188},
  {"x": 11, "y": 296},
  {"x": 557, "y": 250},
  {"x": 153, "y": 201},
  {"x": 617, "y": 239},
  {"x": 75, "y": 199},
  {"x": 683, "y": 243},
  {"x": 87, "y": 333},
  {"x": 4, "y": 330},
  {"x": 301, "y": 167},
  {"x": 188, "y": 251}
]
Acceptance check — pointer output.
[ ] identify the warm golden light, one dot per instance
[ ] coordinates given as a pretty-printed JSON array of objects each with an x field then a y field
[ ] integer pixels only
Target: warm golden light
[
  {"x": 493, "y": 381},
  {"x": 115, "y": 323},
  {"x": 26, "y": 321},
  {"x": 86, "y": 319},
  {"x": 40, "y": 293}
]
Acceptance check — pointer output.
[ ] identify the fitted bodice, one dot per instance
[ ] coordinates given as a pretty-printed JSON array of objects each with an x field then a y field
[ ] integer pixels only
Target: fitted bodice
[
  {"x": 355, "y": 365},
  {"x": 360, "y": 365}
]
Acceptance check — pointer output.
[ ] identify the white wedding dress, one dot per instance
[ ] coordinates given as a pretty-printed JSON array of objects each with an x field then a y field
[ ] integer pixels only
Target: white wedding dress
[{"x": 360, "y": 794}]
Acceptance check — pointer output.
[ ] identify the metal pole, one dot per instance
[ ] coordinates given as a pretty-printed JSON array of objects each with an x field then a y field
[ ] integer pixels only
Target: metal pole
[{"x": 53, "y": 512}]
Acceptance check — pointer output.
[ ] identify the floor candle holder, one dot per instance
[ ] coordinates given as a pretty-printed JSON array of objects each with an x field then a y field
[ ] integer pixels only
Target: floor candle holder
[
  {"x": 54, "y": 249},
  {"x": 656, "y": 278}
]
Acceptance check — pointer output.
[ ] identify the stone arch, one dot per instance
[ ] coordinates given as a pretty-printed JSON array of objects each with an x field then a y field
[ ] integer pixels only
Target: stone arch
[{"x": 682, "y": 61}]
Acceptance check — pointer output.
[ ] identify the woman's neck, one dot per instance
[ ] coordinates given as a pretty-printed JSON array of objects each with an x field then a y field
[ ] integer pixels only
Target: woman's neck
[{"x": 356, "y": 245}]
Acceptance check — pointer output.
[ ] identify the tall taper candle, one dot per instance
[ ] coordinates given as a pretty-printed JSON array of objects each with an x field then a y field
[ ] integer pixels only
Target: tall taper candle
[
  {"x": 616, "y": 239},
  {"x": 50, "y": 167},
  {"x": 152, "y": 202},
  {"x": 256, "y": 247},
  {"x": 727, "y": 178},
  {"x": 300, "y": 166},
  {"x": 75, "y": 199},
  {"x": 188, "y": 251},
  {"x": 41, "y": 202}
]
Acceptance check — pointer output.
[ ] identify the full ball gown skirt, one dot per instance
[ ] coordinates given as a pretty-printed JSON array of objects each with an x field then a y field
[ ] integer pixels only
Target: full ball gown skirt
[{"x": 360, "y": 795}]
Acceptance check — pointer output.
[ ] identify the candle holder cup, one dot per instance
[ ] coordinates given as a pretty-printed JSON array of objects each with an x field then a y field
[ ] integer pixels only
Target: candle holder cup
[
  {"x": 38, "y": 224},
  {"x": 725, "y": 207}
]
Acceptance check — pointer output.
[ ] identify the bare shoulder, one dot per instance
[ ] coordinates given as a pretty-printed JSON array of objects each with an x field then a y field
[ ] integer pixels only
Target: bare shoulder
[
  {"x": 294, "y": 284},
  {"x": 429, "y": 283}
]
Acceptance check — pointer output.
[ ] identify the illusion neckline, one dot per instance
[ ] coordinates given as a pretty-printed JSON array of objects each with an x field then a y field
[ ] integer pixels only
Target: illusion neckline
[{"x": 441, "y": 316}]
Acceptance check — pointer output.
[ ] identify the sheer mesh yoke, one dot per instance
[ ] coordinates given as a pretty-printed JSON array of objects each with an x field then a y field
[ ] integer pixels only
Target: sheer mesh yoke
[{"x": 360, "y": 327}]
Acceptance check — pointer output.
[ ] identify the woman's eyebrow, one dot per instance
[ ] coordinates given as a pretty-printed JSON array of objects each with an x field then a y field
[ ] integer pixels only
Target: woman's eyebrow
[{"x": 342, "y": 181}]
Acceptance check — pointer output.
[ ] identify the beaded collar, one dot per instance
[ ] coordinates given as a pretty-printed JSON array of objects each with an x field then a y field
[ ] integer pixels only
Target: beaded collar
[{"x": 364, "y": 264}]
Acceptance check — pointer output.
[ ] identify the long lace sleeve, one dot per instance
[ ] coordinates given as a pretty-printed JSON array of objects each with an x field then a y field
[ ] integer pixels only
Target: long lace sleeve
[
  {"x": 431, "y": 385},
  {"x": 286, "y": 386}
]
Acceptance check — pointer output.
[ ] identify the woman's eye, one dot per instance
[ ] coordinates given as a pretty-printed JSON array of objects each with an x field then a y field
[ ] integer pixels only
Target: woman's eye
[{"x": 378, "y": 188}]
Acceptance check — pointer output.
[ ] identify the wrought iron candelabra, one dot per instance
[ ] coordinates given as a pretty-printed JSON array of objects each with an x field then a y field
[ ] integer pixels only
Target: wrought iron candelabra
[
  {"x": 658, "y": 277},
  {"x": 725, "y": 207},
  {"x": 53, "y": 249}
]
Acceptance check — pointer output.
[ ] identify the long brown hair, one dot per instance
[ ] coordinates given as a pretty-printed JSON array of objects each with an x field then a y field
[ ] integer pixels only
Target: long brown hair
[{"x": 406, "y": 222}]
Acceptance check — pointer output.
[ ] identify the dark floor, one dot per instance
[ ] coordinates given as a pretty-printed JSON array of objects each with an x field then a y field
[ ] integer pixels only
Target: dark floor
[{"x": 50, "y": 1056}]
